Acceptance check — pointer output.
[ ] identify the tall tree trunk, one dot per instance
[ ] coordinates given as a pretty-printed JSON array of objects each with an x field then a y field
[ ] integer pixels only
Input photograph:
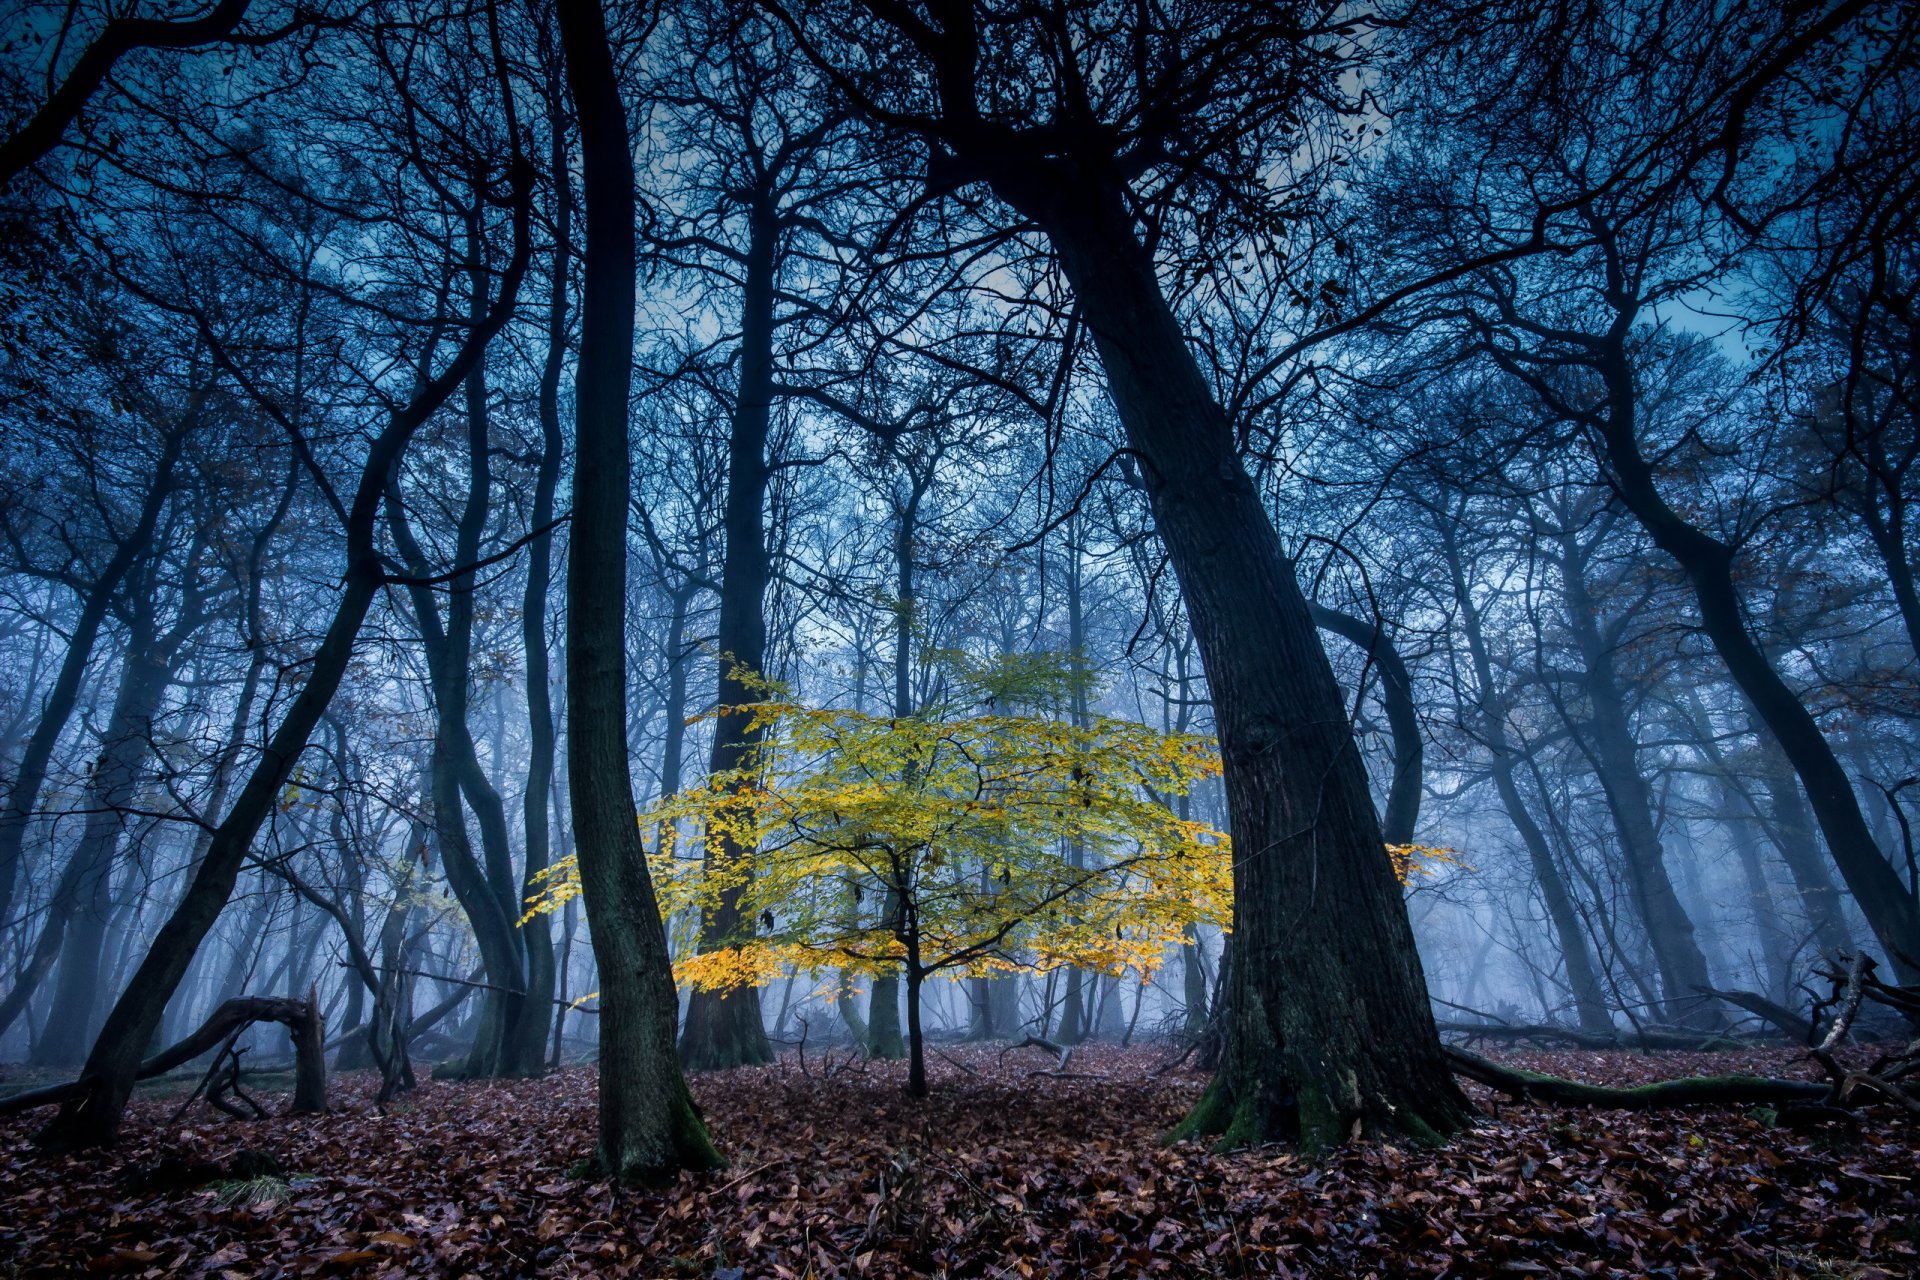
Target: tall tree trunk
[
  {"x": 76, "y": 924},
  {"x": 649, "y": 1129},
  {"x": 1746, "y": 830},
  {"x": 1681, "y": 964},
  {"x": 527, "y": 1055},
  {"x": 1328, "y": 1025},
  {"x": 1708, "y": 564},
  {"x": 23, "y": 796},
  {"x": 884, "y": 1038},
  {"x": 724, "y": 1027}
]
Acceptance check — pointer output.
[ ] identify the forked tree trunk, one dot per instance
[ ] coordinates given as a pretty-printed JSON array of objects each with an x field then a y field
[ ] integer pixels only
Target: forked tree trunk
[{"x": 649, "y": 1129}]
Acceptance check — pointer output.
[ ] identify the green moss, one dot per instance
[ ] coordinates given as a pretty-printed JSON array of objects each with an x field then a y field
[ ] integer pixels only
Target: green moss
[
  {"x": 1322, "y": 1125},
  {"x": 1247, "y": 1127},
  {"x": 1209, "y": 1116}
]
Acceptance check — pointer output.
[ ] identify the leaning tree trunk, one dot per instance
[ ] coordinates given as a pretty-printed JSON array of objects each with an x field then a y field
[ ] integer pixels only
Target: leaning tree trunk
[
  {"x": 23, "y": 796},
  {"x": 1890, "y": 908},
  {"x": 92, "y": 1117},
  {"x": 1328, "y": 1029},
  {"x": 1583, "y": 979},
  {"x": 649, "y": 1129},
  {"x": 724, "y": 1027},
  {"x": 1677, "y": 956}
]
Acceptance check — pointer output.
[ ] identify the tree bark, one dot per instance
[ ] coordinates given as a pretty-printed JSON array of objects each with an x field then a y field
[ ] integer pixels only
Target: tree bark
[
  {"x": 1328, "y": 1027},
  {"x": 724, "y": 1027},
  {"x": 648, "y": 1127}
]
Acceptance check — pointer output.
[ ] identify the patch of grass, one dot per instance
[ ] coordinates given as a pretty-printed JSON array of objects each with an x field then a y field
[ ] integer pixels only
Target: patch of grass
[{"x": 263, "y": 1190}]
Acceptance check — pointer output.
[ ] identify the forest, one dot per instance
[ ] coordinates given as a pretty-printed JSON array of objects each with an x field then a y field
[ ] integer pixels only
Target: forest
[{"x": 994, "y": 638}]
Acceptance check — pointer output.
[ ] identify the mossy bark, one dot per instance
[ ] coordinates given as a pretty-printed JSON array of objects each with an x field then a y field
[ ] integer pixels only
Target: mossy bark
[{"x": 1724, "y": 1091}]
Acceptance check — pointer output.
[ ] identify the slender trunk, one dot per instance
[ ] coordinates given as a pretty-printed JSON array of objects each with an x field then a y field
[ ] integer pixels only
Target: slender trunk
[
  {"x": 648, "y": 1128},
  {"x": 1402, "y": 813},
  {"x": 527, "y": 1055},
  {"x": 1590, "y": 1004},
  {"x": 1681, "y": 964},
  {"x": 1798, "y": 845},
  {"x": 724, "y": 1027},
  {"x": 24, "y": 794},
  {"x": 1746, "y": 831},
  {"x": 74, "y": 927},
  {"x": 1193, "y": 985}
]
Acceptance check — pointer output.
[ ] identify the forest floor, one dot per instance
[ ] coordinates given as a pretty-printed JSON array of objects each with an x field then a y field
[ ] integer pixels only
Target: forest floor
[{"x": 1001, "y": 1173}]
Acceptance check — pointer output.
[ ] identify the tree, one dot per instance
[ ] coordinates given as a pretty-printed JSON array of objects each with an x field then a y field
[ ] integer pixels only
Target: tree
[
  {"x": 648, "y": 1127},
  {"x": 953, "y": 843},
  {"x": 1081, "y": 121}
]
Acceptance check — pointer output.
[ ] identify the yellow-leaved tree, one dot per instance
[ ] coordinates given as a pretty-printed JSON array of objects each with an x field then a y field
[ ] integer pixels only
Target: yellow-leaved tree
[{"x": 956, "y": 842}]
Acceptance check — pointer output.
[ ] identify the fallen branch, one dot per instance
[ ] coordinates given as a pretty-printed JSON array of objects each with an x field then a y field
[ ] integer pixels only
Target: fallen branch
[
  {"x": 1790, "y": 1024},
  {"x": 1036, "y": 1042},
  {"x": 301, "y": 1017},
  {"x": 956, "y": 1062},
  {"x": 1686, "y": 1092},
  {"x": 1547, "y": 1032}
]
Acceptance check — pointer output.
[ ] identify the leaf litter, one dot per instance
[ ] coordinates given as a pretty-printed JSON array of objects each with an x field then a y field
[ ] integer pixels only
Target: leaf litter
[{"x": 1004, "y": 1172}]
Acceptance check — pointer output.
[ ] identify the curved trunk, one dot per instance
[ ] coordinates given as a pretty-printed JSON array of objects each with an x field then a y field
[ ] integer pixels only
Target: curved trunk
[
  {"x": 93, "y": 1116},
  {"x": 1328, "y": 1029},
  {"x": 1708, "y": 564},
  {"x": 1402, "y": 813},
  {"x": 649, "y": 1129}
]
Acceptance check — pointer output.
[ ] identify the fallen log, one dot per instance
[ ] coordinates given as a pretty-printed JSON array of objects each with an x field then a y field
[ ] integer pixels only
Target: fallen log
[
  {"x": 1648, "y": 1038},
  {"x": 1790, "y": 1024},
  {"x": 1063, "y": 1052},
  {"x": 1735, "y": 1090},
  {"x": 300, "y": 1017}
]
